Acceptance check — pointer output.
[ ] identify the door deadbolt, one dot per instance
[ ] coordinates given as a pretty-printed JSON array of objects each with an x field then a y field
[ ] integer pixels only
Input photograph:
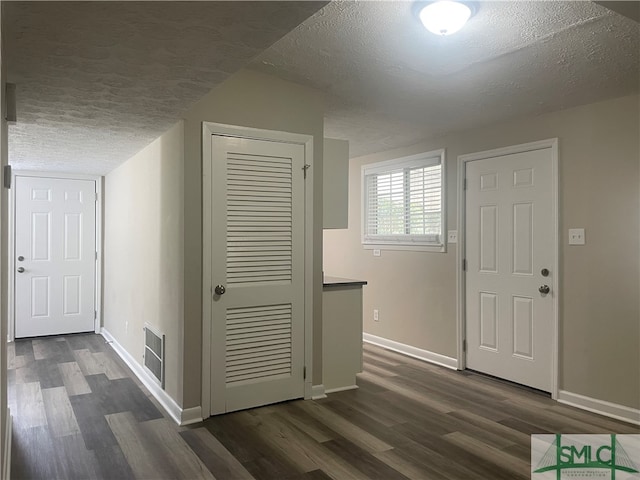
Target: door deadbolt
[
  {"x": 219, "y": 290},
  {"x": 544, "y": 272},
  {"x": 20, "y": 258}
]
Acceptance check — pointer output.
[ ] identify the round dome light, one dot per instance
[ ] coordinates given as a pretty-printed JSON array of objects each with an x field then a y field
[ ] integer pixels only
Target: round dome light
[{"x": 445, "y": 17}]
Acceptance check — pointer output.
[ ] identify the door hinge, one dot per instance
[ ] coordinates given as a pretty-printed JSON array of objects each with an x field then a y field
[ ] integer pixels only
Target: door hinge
[
  {"x": 464, "y": 264},
  {"x": 96, "y": 255},
  {"x": 305, "y": 168},
  {"x": 464, "y": 345},
  {"x": 95, "y": 314},
  {"x": 304, "y": 372},
  {"x": 464, "y": 184}
]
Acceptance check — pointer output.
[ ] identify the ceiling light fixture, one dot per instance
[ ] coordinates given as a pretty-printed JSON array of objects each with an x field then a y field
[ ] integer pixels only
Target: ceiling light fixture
[{"x": 444, "y": 17}]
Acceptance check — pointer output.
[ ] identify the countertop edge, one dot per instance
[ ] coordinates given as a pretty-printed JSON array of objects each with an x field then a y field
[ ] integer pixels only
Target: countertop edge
[{"x": 342, "y": 282}]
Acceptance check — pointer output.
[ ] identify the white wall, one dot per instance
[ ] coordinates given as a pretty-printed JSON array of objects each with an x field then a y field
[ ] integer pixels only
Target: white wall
[
  {"x": 599, "y": 190},
  {"x": 153, "y": 224},
  {"x": 143, "y": 251}
]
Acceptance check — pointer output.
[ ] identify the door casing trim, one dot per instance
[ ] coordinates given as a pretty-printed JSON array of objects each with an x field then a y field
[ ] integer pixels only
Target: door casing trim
[
  {"x": 12, "y": 244},
  {"x": 208, "y": 129},
  {"x": 552, "y": 144}
]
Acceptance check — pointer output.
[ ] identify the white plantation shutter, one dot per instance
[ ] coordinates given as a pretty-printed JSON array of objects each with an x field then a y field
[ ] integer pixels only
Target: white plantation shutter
[{"x": 403, "y": 201}]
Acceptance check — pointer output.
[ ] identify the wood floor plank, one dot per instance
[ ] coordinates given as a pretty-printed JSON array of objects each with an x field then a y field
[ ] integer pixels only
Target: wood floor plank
[
  {"x": 73, "y": 379},
  {"x": 145, "y": 461},
  {"x": 111, "y": 369},
  {"x": 54, "y": 349},
  {"x": 220, "y": 462},
  {"x": 95, "y": 431},
  {"x": 345, "y": 428},
  {"x": 519, "y": 468},
  {"x": 175, "y": 449},
  {"x": 23, "y": 347},
  {"x": 594, "y": 420},
  {"x": 30, "y": 407},
  {"x": 381, "y": 371},
  {"x": 486, "y": 425},
  {"x": 60, "y": 417},
  {"x": 48, "y": 373},
  {"x": 33, "y": 455},
  {"x": 307, "y": 424},
  {"x": 73, "y": 459},
  {"x": 363, "y": 460},
  {"x": 287, "y": 437},
  {"x": 26, "y": 374},
  {"x": 409, "y": 393}
]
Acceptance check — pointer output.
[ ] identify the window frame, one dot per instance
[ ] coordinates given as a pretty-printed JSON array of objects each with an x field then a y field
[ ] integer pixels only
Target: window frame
[{"x": 404, "y": 242}]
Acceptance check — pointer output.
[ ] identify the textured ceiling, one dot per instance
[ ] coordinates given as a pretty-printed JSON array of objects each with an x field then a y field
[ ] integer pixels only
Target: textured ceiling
[
  {"x": 391, "y": 83},
  {"x": 97, "y": 81}
]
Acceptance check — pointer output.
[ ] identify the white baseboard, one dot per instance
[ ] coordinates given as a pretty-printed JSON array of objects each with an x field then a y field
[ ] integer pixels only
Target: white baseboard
[
  {"x": 6, "y": 468},
  {"x": 180, "y": 416},
  {"x": 317, "y": 392},
  {"x": 191, "y": 415},
  {"x": 608, "y": 409},
  {"x": 420, "y": 354},
  {"x": 341, "y": 389}
]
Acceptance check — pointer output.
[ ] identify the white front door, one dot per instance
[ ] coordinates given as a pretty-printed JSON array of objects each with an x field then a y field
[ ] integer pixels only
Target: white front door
[
  {"x": 55, "y": 256},
  {"x": 258, "y": 233},
  {"x": 510, "y": 252}
]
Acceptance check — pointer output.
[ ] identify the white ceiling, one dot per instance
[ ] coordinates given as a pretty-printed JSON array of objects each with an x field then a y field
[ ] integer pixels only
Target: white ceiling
[
  {"x": 99, "y": 80},
  {"x": 392, "y": 83}
]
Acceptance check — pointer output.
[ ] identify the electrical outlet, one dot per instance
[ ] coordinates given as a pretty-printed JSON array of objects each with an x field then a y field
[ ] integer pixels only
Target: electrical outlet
[
  {"x": 376, "y": 252},
  {"x": 376, "y": 316},
  {"x": 452, "y": 236},
  {"x": 576, "y": 236}
]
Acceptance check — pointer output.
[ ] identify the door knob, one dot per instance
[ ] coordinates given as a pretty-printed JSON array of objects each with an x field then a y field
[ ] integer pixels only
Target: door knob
[
  {"x": 544, "y": 289},
  {"x": 219, "y": 290},
  {"x": 20, "y": 269}
]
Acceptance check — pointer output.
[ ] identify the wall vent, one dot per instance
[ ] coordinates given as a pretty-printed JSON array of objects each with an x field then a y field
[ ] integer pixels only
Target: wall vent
[{"x": 154, "y": 353}]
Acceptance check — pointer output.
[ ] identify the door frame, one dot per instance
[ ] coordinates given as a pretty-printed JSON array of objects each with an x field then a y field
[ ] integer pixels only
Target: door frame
[
  {"x": 208, "y": 129},
  {"x": 552, "y": 144},
  {"x": 11, "y": 299}
]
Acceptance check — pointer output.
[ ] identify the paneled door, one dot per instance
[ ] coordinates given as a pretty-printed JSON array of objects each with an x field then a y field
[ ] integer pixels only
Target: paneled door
[
  {"x": 510, "y": 251},
  {"x": 55, "y": 249},
  {"x": 258, "y": 232}
]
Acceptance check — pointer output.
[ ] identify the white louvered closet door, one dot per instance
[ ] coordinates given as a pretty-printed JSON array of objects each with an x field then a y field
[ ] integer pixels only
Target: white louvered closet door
[{"x": 258, "y": 256}]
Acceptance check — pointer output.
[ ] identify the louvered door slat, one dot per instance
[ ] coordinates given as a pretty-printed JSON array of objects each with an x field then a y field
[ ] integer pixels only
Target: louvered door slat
[{"x": 258, "y": 341}]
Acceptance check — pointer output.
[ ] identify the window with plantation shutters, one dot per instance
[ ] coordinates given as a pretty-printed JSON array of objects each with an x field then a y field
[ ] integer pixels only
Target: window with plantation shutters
[{"x": 403, "y": 203}]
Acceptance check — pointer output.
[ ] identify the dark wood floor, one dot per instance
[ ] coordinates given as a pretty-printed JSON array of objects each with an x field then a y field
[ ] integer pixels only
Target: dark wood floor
[{"x": 78, "y": 412}]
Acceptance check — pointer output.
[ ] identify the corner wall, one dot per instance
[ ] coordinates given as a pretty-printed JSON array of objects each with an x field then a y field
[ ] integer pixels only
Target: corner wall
[
  {"x": 599, "y": 163},
  {"x": 255, "y": 100},
  {"x": 143, "y": 251}
]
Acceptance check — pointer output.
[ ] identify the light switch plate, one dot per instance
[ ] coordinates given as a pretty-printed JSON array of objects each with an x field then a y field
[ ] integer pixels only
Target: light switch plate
[
  {"x": 576, "y": 236},
  {"x": 452, "y": 236}
]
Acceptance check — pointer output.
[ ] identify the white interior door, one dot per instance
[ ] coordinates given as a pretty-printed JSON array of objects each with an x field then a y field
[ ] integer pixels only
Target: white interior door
[
  {"x": 510, "y": 241},
  {"x": 258, "y": 225},
  {"x": 55, "y": 249}
]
